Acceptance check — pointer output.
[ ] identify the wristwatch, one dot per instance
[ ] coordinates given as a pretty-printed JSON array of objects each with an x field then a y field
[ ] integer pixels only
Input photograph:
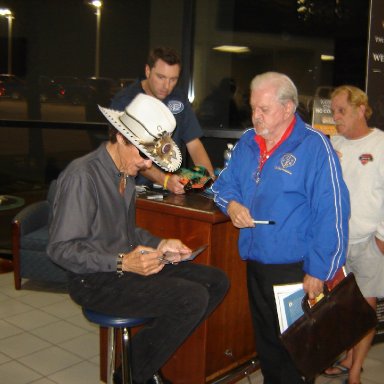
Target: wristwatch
[{"x": 119, "y": 264}]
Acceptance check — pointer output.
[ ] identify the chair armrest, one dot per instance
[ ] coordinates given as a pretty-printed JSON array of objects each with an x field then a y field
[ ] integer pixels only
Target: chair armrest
[{"x": 32, "y": 217}]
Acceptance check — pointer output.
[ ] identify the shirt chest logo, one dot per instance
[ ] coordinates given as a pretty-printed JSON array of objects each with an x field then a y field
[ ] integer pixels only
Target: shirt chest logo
[
  {"x": 365, "y": 158},
  {"x": 175, "y": 106},
  {"x": 287, "y": 161}
]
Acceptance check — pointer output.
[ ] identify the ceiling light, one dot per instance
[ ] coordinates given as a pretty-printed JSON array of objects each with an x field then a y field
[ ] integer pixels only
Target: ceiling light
[
  {"x": 327, "y": 57},
  {"x": 232, "y": 49},
  {"x": 5, "y": 12}
]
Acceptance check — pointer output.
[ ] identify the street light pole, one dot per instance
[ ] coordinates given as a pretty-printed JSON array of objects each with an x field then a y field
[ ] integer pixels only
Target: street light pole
[
  {"x": 10, "y": 19},
  {"x": 5, "y": 12},
  {"x": 97, "y": 5}
]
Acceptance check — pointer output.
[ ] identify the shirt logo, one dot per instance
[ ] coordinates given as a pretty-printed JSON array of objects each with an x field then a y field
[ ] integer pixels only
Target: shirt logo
[
  {"x": 175, "y": 106},
  {"x": 365, "y": 157},
  {"x": 287, "y": 160}
]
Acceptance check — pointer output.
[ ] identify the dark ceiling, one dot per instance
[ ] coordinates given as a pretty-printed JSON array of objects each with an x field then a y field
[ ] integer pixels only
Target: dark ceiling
[{"x": 331, "y": 18}]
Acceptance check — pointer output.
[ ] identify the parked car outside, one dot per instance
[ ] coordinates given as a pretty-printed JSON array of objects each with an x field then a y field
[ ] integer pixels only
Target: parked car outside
[
  {"x": 75, "y": 90},
  {"x": 104, "y": 87},
  {"x": 12, "y": 86},
  {"x": 50, "y": 91},
  {"x": 2, "y": 89},
  {"x": 101, "y": 92}
]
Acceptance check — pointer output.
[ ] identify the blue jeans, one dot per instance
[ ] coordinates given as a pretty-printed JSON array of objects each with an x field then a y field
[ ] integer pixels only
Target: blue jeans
[{"x": 178, "y": 299}]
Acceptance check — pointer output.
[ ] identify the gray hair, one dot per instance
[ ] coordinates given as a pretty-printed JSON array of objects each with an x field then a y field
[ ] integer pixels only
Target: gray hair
[{"x": 285, "y": 88}]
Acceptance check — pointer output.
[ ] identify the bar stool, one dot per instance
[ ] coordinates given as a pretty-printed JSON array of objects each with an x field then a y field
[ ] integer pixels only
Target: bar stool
[{"x": 113, "y": 323}]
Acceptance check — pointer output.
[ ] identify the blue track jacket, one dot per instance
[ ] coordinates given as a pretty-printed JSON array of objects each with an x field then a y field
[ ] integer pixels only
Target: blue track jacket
[{"x": 302, "y": 190}]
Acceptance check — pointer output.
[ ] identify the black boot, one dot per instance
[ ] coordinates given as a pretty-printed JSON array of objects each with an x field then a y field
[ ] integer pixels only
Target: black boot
[{"x": 155, "y": 379}]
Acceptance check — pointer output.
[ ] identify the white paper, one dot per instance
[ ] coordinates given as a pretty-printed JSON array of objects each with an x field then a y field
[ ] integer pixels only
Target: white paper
[{"x": 288, "y": 303}]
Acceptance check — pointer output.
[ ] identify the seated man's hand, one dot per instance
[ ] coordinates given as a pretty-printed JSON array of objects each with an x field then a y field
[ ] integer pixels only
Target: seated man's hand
[
  {"x": 173, "y": 250},
  {"x": 175, "y": 185},
  {"x": 143, "y": 261}
]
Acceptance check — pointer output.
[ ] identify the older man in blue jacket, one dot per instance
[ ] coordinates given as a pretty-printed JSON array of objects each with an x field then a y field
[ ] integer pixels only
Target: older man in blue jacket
[{"x": 285, "y": 173}]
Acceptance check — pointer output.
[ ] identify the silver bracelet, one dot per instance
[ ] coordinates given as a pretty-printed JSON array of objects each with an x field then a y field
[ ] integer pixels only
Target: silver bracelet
[{"x": 119, "y": 264}]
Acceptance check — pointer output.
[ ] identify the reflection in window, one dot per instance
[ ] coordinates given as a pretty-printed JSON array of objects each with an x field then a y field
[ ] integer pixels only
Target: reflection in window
[{"x": 275, "y": 35}]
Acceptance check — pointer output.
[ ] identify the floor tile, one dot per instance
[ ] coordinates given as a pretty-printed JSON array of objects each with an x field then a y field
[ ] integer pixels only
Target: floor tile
[
  {"x": 4, "y": 358},
  {"x": 44, "y": 380},
  {"x": 85, "y": 346},
  {"x": 15, "y": 373},
  {"x": 31, "y": 319},
  {"x": 6, "y": 279},
  {"x": 10, "y": 291},
  {"x": 95, "y": 359},
  {"x": 373, "y": 369},
  {"x": 3, "y": 296},
  {"x": 50, "y": 360},
  {"x": 255, "y": 378},
  {"x": 63, "y": 309},
  {"x": 22, "y": 345},
  {"x": 41, "y": 299},
  {"x": 82, "y": 322},
  {"x": 82, "y": 373},
  {"x": 377, "y": 352},
  {"x": 13, "y": 307},
  {"x": 7, "y": 329},
  {"x": 58, "y": 332}
]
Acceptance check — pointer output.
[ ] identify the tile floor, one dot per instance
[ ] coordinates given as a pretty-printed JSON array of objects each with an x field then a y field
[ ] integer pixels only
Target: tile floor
[{"x": 44, "y": 339}]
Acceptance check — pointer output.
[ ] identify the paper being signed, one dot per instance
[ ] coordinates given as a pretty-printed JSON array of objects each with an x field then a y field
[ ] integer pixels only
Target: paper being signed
[{"x": 170, "y": 257}]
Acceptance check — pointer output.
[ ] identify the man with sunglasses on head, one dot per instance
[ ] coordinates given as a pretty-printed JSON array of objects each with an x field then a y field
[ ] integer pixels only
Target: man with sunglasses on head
[
  {"x": 117, "y": 268},
  {"x": 162, "y": 73},
  {"x": 361, "y": 151}
]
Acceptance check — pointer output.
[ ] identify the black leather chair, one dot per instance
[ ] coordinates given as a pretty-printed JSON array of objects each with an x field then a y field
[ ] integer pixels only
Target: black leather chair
[{"x": 29, "y": 242}]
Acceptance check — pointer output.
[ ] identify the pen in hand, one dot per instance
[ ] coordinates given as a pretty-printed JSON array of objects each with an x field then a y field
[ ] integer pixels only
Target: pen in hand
[{"x": 267, "y": 222}]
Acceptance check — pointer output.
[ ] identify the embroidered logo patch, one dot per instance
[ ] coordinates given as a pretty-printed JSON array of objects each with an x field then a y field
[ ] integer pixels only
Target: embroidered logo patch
[
  {"x": 287, "y": 160},
  {"x": 365, "y": 157},
  {"x": 175, "y": 106}
]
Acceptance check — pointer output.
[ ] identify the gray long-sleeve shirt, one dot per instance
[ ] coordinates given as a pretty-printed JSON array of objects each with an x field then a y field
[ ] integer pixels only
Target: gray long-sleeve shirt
[{"x": 91, "y": 222}]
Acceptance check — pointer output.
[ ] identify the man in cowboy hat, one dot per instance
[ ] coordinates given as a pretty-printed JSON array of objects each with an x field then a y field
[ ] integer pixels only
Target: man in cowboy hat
[
  {"x": 162, "y": 73},
  {"x": 115, "y": 267}
]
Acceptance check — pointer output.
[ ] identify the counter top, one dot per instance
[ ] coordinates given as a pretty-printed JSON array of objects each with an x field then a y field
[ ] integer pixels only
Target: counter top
[{"x": 192, "y": 205}]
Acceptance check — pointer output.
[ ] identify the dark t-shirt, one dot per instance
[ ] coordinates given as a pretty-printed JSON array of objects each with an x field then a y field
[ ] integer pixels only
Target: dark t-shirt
[{"x": 187, "y": 125}]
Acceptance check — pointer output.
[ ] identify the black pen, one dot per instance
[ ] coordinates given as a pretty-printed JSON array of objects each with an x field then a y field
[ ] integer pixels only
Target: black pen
[{"x": 263, "y": 222}]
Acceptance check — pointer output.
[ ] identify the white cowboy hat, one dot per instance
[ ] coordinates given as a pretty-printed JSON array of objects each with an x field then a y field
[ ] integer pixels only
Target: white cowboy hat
[{"x": 148, "y": 124}]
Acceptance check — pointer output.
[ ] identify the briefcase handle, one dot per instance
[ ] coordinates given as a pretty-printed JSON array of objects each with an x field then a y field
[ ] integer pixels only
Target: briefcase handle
[
  {"x": 327, "y": 287},
  {"x": 307, "y": 308}
]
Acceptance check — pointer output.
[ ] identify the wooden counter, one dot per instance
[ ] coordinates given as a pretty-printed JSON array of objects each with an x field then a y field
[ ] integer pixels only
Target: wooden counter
[{"x": 225, "y": 340}]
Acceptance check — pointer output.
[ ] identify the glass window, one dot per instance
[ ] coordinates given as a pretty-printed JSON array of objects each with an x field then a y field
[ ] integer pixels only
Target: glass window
[
  {"x": 67, "y": 57},
  {"x": 317, "y": 43}
]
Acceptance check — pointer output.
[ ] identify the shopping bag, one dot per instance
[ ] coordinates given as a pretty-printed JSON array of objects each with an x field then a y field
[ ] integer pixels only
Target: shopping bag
[{"x": 335, "y": 324}]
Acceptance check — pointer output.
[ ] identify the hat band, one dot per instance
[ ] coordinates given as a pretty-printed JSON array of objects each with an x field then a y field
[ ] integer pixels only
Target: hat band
[{"x": 125, "y": 120}]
